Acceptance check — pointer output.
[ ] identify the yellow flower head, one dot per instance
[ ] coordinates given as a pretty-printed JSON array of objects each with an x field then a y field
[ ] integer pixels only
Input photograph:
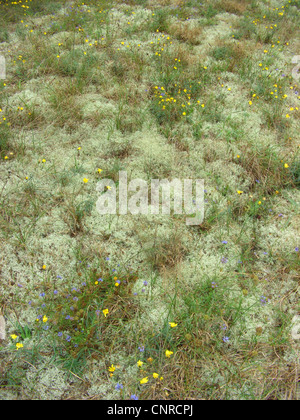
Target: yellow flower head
[
  {"x": 14, "y": 336},
  {"x": 144, "y": 380},
  {"x": 19, "y": 346},
  {"x": 105, "y": 312},
  {"x": 172, "y": 324},
  {"x": 169, "y": 353},
  {"x": 111, "y": 368},
  {"x": 85, "y": 180},
  {"x": 155, "y": 375},
  {"x": 139, "y": 363}
]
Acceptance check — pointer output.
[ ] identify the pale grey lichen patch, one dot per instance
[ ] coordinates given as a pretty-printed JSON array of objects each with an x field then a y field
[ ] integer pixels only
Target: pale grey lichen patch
[{"x": 47, "y": 384}]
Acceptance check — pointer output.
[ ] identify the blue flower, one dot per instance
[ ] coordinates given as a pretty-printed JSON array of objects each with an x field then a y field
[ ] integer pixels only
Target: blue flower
[
  {"x": 118, "y": 386},
  {"x": 42, "y": 294},
  {"x": 133, "y": 397},
  {"x": 141, "y": 348},
  {"x": 225, "y": 339},
  {"x": 263, "y": 300}
]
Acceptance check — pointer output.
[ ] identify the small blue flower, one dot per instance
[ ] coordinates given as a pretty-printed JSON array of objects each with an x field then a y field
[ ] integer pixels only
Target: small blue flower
[
  {"x": 133, "y": 397},
  {"x": 141, "y": 348},
  {"x": 225, "y": 339},
  {"x": 42, "y": 294},
  {"x": 263, "y": 300},
  {"x": 60, "y": 334},
  {"x": 118, "y": 386}
]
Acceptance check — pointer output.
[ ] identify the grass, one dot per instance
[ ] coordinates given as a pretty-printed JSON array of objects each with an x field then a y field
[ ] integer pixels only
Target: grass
[{"x": 129, "y": 306}]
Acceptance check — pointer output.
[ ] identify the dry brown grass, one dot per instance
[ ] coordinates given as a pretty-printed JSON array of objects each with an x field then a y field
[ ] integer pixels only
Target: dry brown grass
[
  {"x": 183, "y": 32},
  {"x": 237, "y": 7}
]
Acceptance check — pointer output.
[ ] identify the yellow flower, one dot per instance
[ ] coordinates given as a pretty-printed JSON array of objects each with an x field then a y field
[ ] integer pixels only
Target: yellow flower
[
  {"x": 168, "y": 353},
  {"x": 79, "y": 148},
  {"x": 111, "y": 368},
  {"x": 240, "y": 192},
  {"x": 19, "y": 346},
  {"x": 250, "y": 102},
  {"x": 259, "y": 202},
  {"x": 287, "y": 116},
  {"x": 14, "y": 336},
  {"x": 155, "y": 375},
  {"x": 45, "y": 319},
  {"x": 44, "y": 267},
  {"x": 85, "y": 180},
  {"x": 99, "y": 170},
  {"x": 286, "y": 165},
  {"x": 144, "y": 380},
  {"x": 139, "y": 363},
  {"x": 105, "y": 312},
  {"x": 172, "y": 324},
  {"x": 108, "y": 187}
]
